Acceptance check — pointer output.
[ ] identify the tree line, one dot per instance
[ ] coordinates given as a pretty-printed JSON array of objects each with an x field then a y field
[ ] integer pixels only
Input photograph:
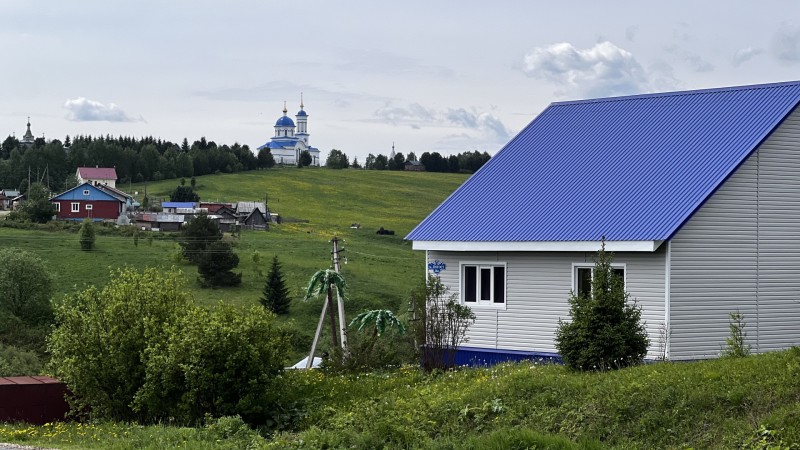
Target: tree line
[
  {"x": 467, "y": 162},
  {"x": 136, "y": 160}
]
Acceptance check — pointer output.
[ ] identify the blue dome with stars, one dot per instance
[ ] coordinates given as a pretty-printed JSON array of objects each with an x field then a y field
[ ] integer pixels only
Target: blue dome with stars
[{"x": 284, "y": 121}]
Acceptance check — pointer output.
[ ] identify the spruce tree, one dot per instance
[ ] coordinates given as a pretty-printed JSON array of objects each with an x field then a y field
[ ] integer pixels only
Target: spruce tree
[
  {"x": 606, "y": 331},
  {"x": 86, "y": 235},
  {"x": 275, "y": 296}
]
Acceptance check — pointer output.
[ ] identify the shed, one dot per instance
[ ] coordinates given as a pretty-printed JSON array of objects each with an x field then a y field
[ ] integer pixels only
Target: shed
[
  {"x": 415, "y": 166},
  {"x": 36, "y": 400},
  {"x": 697, "y": 194}
]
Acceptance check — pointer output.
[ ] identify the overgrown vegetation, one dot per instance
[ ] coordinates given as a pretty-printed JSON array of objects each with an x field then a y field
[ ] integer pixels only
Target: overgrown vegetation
[
  {"x": 719, "y": 404},
  {"x": 140, "y": 350},
  {"x": 440, "y": 323},
  {"x": 605, "y": 331},
  {"x": 25, "y": 312}
]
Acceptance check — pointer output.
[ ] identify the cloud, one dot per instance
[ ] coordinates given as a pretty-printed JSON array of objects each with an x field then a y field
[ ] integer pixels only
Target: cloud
[
  {"x": 481, "y": 124},
  {"x": 412, "y": 114},
  {"x": 485, "y": 122},
  {"x": 601, "y": 70},
  {"x": 81, "y": 109},
  {"x": 786, "y": 44},
  {"x": 630, "y": 33},
  {"x": 745, "y": 54},
  {"x": 695, "y": 62}
]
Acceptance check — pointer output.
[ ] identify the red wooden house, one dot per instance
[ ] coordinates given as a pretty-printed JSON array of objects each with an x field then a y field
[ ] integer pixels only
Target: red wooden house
[{"x": 87, "y": 201}]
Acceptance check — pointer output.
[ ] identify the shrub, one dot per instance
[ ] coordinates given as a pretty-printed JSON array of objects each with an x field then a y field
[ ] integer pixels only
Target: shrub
[
  {"x": 606, "y": 331},
  {"x": 219, "y": 361},
  {"x": 102, "y": 338},
  {"x": 25, "y": 286},
  {"x": 87, "y": 235},
  {"x": 735, "y": 345},
  {"x": 440, "y": 323},
  {"x": 15, "y": 362}
]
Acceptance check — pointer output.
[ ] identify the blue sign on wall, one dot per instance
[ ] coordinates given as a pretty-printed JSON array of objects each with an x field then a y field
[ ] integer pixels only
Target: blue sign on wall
[{"x": 437, "y": 266}]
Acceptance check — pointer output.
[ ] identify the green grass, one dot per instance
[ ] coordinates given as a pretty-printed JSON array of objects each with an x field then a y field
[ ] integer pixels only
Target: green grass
[{"x": 751, "y": 402}]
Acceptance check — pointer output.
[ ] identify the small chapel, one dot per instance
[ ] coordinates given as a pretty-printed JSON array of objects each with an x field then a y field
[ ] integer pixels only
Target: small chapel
[{"x": 287, "y": 145}]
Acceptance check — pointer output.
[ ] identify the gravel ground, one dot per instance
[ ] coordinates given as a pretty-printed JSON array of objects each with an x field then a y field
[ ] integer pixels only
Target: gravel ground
[{"x": 21, "y": 447}]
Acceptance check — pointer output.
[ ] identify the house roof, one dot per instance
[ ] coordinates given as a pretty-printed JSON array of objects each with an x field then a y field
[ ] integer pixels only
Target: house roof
[
  {"x": 632, "y": 168},
  {"x": 178, "y": 204},
  {"x": 93, "y": 193},
  {"x": 244, "y": 208},
  {"x": 97, "y": 173}
]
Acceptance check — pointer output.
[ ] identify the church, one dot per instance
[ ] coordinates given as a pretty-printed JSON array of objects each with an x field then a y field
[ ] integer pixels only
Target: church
[{"x": 286, "y": 146}]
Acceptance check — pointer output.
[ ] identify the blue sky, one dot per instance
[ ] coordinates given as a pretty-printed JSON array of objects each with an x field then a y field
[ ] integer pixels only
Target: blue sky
[{"x": 428, "y": 76}]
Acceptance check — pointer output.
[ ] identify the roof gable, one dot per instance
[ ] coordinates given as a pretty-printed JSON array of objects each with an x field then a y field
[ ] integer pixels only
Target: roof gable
[
  {"x": 77, "y": 193},
  {"x": 628, "y": 168}
]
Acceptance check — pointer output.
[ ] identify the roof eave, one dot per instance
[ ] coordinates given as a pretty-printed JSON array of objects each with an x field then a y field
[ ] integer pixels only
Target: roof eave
[{"x": 536, "y": 246}]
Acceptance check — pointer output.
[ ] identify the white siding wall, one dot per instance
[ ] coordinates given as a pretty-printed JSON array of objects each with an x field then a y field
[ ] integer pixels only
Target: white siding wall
[
  {"x": 741, "y": 251},
  {"x": 538, "y": 285}
]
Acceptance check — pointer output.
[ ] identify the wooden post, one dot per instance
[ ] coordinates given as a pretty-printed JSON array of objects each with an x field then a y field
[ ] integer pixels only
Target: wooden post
[{"x": 339, "y": 301}]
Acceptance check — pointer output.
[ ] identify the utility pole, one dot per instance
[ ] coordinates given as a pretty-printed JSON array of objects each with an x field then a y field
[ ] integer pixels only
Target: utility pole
[{"x": 339, "y": 301}]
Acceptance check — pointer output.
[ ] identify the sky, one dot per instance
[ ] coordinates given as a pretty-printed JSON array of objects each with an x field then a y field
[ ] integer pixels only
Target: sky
[{"x": 446, "y": 76}]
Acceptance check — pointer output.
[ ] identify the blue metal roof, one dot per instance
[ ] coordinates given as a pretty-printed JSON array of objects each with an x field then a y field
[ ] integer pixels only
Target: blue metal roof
[
  {"x": 628, "y": 168},
  {"x": 178, "y": 204},
  {"x": 86, "y": 192}
]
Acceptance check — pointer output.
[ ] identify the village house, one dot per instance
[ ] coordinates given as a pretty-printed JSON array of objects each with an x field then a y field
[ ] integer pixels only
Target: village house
[
  {"x": 90, "y": 201},
  {"x": 97, "y": 175},
  {"x": 697, "y": 194}
]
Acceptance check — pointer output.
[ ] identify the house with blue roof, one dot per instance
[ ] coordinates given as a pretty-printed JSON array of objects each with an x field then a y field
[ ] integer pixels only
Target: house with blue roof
[
  {"x": 89, "y": 201},
  {"x": 697, "y": 194},
  {"x": 287, "y": 145}
]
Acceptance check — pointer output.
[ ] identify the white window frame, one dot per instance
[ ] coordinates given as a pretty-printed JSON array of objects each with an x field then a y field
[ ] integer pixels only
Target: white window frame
[
  {"x": 490, "y": 304},
  {"x": 75, "y": 207},
  {"x": 85, "y": 192},
  {"x": 58, "y": 206},
  {"x": 89, "y": 206},
  {"x": 576, "y": 266}
]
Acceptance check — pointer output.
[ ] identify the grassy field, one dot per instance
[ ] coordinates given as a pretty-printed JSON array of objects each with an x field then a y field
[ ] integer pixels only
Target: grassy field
[{"x": 380, "y": 270}]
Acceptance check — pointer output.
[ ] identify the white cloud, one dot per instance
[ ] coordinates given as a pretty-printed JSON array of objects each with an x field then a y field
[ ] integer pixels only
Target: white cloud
[
  {"x": 601, "y": 70},
  {"x": 479, "y": 123},
  {"x": 81, "y": 109},
  {"x": 745, "y": 54},
  {"x": 786, "y": 44}
]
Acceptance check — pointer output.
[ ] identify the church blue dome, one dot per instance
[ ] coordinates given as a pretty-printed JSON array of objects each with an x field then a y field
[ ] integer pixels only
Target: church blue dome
[
  {"x": 284, "y": 121},
  {"x": 301, "y": 113}
]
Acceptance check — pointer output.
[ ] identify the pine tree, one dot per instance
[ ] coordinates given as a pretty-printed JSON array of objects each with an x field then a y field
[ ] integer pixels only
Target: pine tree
[{"x": 275, "y": 295}]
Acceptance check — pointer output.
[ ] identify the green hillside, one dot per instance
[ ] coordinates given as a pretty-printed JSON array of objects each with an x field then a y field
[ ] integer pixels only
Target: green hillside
[{"x": 316, "y": 203}]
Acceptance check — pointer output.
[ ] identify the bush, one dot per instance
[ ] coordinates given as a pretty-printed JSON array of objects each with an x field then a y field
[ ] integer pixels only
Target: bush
[
  {"x": 440, "y": 323},
  {"x": 606, "y": 331},
  {"x": 140, "y": 350},
  {"x": 87, "y": 235},
  {"x": 16, "y": 362},
  {"x": 101, "y": 343},
  {"x": 735, "y": 344},
  {"x": 219, "y": 361},
  {"x": 25, "y": 287}
]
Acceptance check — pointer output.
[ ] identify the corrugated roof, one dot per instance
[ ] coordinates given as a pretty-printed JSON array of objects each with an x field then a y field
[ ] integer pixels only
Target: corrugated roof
[
  {"x": 77, "y": 193},
  {"x": 97, "y": 173},
  {"x": 631, "y": 168}
]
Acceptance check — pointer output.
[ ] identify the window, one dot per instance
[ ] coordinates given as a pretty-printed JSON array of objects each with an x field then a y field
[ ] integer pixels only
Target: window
[
  {"x": 58, "y": 206},
  {"x": 583, "y": 278},
  {"x": 76, "y": 207},
  {"x": 88, "y": 207},
  {"x": 85, "y": 192},
  {"x": 483, "y": 284}
]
